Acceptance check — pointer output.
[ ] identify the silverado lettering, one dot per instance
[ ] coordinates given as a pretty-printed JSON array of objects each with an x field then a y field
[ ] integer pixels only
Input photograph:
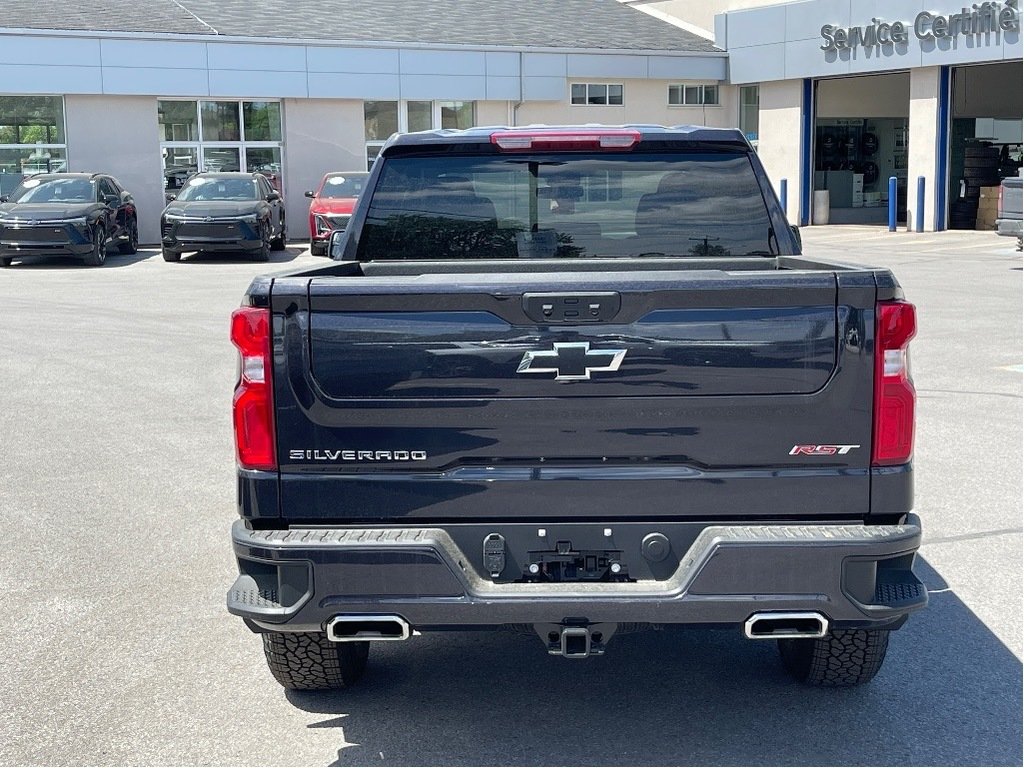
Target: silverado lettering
[{"x": 324, "y": 454}]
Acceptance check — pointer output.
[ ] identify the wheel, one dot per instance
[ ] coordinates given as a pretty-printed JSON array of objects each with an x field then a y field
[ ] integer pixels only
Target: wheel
[
  {"x": 308, "y": 661},
  {"x": 132, "y": 246},
  {"x": 170, "y": 255},
  {"x": 317, "y": 248},
  {"x": 99, "y": 248},
  {"x": 843, "y": 658},
  {"x": 5, "y": 261},
  {"x": 279, "y": 242},
  {"x": 263, "y": 254}
]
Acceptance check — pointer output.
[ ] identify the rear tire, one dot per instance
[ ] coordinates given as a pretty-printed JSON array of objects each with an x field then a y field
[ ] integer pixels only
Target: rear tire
[
  {"x": 99, "y": 248},
  {"x": 170, "y": 255},
  {"x": 308, "y": 661},
  {"x": 843, "y": 658},
  {"x": 317, "y": 249},
  {"x": 5, "y": 261}
]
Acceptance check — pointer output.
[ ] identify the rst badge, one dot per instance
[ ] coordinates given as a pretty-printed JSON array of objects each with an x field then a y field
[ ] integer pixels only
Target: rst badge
[{"x": 821, "y": 450}]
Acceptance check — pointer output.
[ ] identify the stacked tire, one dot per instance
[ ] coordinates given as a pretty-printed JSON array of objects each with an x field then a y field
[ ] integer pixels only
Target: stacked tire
[{"x": 981, "y": 169}]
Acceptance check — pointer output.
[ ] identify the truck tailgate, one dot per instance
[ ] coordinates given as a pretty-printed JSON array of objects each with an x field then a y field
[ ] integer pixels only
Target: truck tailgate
[{"x": 672, "y": 394}]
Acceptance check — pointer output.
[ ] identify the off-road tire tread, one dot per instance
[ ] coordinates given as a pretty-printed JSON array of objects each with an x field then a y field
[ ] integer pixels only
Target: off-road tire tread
[
  {"x": 308, "y": 661},
  {"x": 843, "y": 658}
]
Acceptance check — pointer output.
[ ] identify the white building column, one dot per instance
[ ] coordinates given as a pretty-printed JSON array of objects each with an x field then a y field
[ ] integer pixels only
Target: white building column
[
  {"x": 924, "y": 133},
  {"x": 120, "y": 135},
  {"x": 778, "y": 145}
]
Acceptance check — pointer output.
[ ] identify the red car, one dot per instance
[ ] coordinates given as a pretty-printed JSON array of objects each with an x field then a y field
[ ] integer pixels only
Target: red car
[{"x": 332, "y": 206}]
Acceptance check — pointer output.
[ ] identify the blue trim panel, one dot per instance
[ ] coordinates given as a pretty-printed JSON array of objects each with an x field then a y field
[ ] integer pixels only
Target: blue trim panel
[
  {"x": 942, "y": 151},
  {"x": 807, "y": 150}
]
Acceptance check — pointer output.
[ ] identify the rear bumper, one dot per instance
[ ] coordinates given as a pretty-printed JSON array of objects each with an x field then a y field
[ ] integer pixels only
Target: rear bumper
[{"x": 297, "y": 580}]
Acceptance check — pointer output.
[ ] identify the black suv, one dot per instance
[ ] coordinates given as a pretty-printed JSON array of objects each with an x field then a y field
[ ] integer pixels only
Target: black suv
[
  {"x": 58, "y": 214},
  {"x": 224, "y": 212}
]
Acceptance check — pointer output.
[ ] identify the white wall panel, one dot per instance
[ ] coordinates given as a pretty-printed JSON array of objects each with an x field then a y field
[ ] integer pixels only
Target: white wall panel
[
  {"x": 617, "y": 67},
  {"x": 257, "y": 84},
  {"x": 155, "y": 82},
  {"x": 331, "y": 85},
  {"x": 503, "y": 88},
  {"x": 353, "y": 60},
  {"x": 687, "y": 67},
  {"x": 757, "y": 63},
  {"x": 544, "y": 64},
  {"x": 502, "y": 64},
  {"x": 441, "y": 62},
  {"x": 804, "y": 20},
  {"x": 146, "y": 53},
  {"x": 278, "y": 58},
  {"x": 757, "y": 27},
  {"x": 35, "y": 78},
  {"x": 545, "y": 88},
  {"x": 16, "y": 49},
  {"x": 464, "y": 87}
]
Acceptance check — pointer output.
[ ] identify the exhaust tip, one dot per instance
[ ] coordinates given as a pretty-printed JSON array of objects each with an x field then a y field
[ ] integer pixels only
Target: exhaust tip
[
  {"x": 781, "y": 626},
  {"x": 360, "y": 628}
]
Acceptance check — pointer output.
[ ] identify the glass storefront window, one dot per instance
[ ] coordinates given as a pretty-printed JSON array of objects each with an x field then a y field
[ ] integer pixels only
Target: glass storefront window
[
  {"x": 220, "y": 121},
  {"x": 380, "y": 119},
  {"x": 31, "y": 138},
  {"x": 262, "y": 120},
  {"x": 265, "y": 160},
  {"x": 457, "y": 114},
  {"x": 221, "y": 159},
  {"x": 749, "y": 101},
  {"x": 219, "y": 136},
  {"x": 421, "y": 115},
  {"x": 178, "y": 120},
  {"x": 31, "y": 120},
  {"x": 179, "y": 164},
  {"x": 18, "y": 162},
  {"x": 383, "y": 118}
]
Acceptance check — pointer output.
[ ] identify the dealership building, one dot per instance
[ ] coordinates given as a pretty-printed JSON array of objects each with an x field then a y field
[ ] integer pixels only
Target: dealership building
[{"x": 836, "y": 95}]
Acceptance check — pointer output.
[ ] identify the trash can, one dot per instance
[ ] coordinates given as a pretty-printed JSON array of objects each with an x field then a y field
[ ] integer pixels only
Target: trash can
[{"x": 819, "y": 214}]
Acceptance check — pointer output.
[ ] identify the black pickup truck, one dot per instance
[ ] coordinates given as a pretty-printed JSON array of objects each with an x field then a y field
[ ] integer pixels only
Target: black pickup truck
[{"x": 574, "y": 382}]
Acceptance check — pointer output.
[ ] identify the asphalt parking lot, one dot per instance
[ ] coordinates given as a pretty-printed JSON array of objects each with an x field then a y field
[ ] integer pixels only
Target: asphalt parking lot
[{"x": 117, "y": 493}]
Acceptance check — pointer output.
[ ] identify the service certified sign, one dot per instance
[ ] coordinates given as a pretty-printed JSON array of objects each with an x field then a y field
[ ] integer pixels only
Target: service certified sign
[{"x": 979, "y": 19}]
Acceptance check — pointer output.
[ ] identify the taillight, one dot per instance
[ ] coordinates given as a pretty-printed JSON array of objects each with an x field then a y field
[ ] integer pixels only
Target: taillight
[
  {"x": 895, "y": 326},
  {"x": 608, "y": 139},
  {"x": 253, "y": 403}
]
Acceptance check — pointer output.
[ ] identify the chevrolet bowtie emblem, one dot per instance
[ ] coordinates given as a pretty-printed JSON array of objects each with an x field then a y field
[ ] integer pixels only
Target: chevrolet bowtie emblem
[{"x": 572, "y": 361}]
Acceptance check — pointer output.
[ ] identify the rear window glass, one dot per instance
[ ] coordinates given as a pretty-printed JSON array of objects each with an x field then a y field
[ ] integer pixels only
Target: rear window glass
[{"x": 566, "y": 206}]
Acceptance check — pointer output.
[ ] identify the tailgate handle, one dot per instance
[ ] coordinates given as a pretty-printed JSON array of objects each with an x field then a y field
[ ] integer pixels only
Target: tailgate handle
[{"x": 573, "y": 308}]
